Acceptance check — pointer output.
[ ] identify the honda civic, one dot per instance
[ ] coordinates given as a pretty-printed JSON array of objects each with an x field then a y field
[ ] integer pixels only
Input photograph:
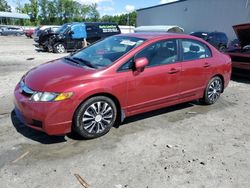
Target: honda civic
[{"x": 95, "y": 88}]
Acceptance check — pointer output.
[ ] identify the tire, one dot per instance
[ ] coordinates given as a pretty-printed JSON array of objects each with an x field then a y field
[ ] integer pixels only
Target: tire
[
  {"x": 95, "y": 117},
  {"x": 222, "y": 48},
  {"x": 59, "y": 48},
  {"x": 213, "y": 90},
  {"x": 18, "y": 34}
]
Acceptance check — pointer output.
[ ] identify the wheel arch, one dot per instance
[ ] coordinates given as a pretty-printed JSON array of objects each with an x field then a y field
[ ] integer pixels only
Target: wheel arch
[
  {"x": 120, "y": 112},
  {"x": 222, "y": 78}
]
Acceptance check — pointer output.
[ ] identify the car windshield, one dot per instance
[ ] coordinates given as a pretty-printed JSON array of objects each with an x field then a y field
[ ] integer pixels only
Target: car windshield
[
  {"x": 63, "y": 28},
  {"x": 107, "y": 51}
]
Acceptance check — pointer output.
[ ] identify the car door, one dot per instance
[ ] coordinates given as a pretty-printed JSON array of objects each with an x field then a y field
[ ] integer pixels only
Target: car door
[
  {"x": 196, "y": 65},
  {"x": 8, "y": 31},
  {"x": 158, "y": 85}
]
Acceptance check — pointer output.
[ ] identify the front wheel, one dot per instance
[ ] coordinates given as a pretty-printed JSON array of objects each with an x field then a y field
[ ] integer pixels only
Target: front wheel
[
  {"x": 213, "y": 91},
  {"x": 59, "y": 48},
  {"x": 95, "y": 117}
]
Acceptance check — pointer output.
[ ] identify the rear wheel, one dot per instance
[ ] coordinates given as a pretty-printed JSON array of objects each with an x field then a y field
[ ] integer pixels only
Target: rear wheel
[
  {"x": 213, "y": 91},
  {"x": 59, "y": 48},
  {"x": 95, "y": 117},
  {"x": 222, "y": 48}
]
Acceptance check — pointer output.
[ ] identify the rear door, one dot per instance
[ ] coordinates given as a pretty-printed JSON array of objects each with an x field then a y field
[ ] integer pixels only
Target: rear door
[
  {"x": 159, "y": 84},
  {"x": 196, "y": 65}
]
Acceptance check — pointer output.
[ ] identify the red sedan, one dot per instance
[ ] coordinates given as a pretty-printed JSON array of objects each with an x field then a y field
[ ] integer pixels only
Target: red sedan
[{"x": 120, "y": 76}]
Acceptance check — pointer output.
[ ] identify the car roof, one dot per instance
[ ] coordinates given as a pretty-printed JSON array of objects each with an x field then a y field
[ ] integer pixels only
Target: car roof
[{"x": 152, "y": 35}]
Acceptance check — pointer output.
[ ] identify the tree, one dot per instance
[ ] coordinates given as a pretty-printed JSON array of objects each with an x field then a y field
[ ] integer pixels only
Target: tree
[
  {"x": 93, "y": 14},
  {"x": 43, "y": 4},
  {"x": 34, "y": 9},
  {"x": 4, "y": 6},
  {"x": 58, "y": 12},
  {"x": 52, "y": 12}
]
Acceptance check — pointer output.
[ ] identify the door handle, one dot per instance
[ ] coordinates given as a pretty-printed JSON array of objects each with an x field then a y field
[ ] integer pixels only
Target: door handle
[
  {"x": 206, "y": 65},
  {"x": 173, "y": 71}
]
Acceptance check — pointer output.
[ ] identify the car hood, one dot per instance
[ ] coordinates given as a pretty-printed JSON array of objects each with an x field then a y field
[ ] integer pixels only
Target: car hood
[
  {"x": 56, "y": 76},
  {"x": 243, "y": 33}
]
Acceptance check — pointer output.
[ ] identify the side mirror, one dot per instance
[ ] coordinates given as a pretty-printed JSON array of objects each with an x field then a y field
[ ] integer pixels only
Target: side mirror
[
  {"x": 140, "y": 64},
  {"x": 71, "y": 32}
]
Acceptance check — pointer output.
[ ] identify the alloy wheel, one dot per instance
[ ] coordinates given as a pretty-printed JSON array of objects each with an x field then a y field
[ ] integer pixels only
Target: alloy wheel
[
  {"x": 97, "y": 117},
  {"x": 60, "y": 48},
  {"x": 214, "y": 90}
]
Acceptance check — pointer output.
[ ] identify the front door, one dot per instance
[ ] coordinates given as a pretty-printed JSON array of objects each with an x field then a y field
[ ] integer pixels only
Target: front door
[{"x": 158, "y": 85}]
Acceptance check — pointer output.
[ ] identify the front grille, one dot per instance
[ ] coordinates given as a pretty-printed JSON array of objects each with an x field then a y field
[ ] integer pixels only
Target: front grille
[{"x": 37, "y": 123}]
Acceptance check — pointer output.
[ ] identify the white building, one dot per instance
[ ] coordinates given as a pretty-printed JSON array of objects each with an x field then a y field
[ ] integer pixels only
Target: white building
[{"x": 198, "y": 15}]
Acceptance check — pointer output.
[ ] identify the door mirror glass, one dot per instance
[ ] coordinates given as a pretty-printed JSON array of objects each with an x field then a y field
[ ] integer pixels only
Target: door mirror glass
[{"x": 140, "y": 64}]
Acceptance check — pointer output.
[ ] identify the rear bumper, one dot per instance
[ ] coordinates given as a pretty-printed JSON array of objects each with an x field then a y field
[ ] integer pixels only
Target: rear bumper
[{"x": 53, "y": 118}]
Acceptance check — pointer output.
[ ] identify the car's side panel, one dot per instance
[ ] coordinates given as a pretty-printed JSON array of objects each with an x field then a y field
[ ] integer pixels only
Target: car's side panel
[{"x": 155, "y": 86}]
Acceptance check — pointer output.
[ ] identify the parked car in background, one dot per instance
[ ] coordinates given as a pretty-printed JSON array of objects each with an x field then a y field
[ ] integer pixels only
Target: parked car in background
[
  {"x": 29, "y": 32},
  {"x": 218, "y": 39},
  {"x": 70, "y": 36},
  {"x": 40, "y": 29},
  {"x": 11, "y": 30},
  {"x": 234, "y": 45},
  {"x": 42, "y": 39},
  {"x": 241, "y": 56},
  {"x": 123, "y": 75}
]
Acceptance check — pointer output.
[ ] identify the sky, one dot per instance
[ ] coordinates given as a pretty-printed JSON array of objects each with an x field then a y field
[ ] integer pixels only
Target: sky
[{"x": 112, "y": 7}]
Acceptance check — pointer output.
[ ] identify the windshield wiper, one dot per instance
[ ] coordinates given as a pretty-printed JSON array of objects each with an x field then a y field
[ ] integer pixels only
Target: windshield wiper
[
  {"x": 72, "y": 60},
  {"x": 85, "y": 62}
]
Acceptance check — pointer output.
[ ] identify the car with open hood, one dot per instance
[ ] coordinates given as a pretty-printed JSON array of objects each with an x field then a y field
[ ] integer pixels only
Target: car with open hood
[
  {"x": 241, "y": 56},
  {"x": 95, "y": 88}
]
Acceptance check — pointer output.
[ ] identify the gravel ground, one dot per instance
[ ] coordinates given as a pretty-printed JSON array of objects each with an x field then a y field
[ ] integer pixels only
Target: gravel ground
[{"x": 188, "y": 145}]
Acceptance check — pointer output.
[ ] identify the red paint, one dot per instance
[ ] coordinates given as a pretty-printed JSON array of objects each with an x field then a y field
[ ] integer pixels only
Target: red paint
[
  {"x": 148, "y": 89},
  {"x": 241, "y": 56},
  {"x": 29, "y": 33}
]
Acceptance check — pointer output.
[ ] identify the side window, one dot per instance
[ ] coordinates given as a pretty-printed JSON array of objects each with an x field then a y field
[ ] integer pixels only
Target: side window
[
  {"x": 127, "y": 66},
  {"x": 160, "y": 53},
  {"x": 192, "y": 50}
]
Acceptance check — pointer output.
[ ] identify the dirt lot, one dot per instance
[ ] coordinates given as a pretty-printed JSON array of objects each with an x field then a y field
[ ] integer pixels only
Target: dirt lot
[{"x": 188, "y": 145}]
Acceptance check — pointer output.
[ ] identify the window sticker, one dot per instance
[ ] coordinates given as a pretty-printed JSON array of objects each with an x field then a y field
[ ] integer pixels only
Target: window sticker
[{"x": 128, "y": 42}]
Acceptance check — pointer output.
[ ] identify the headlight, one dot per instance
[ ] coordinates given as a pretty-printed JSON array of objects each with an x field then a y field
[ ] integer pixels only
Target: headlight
[{"x": 48, "y": 96}]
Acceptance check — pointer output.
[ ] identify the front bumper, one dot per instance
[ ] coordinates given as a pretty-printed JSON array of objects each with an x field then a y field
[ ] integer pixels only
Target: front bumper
[{"x": 53, "y": 118}]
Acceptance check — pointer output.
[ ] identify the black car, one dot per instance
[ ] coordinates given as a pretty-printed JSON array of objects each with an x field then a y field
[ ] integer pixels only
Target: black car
[
  {"x": 70, "y": 36},
  {"x": 41, "y": 38},
  {"x": 218, "y": 39}
]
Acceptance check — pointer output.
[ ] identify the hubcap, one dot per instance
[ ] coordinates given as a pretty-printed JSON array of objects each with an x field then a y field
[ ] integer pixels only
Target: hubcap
[
  {"x": 214, "y": 90},
  {"x": 97, "y": 117},
  {"x": 60, "y": 48}
]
